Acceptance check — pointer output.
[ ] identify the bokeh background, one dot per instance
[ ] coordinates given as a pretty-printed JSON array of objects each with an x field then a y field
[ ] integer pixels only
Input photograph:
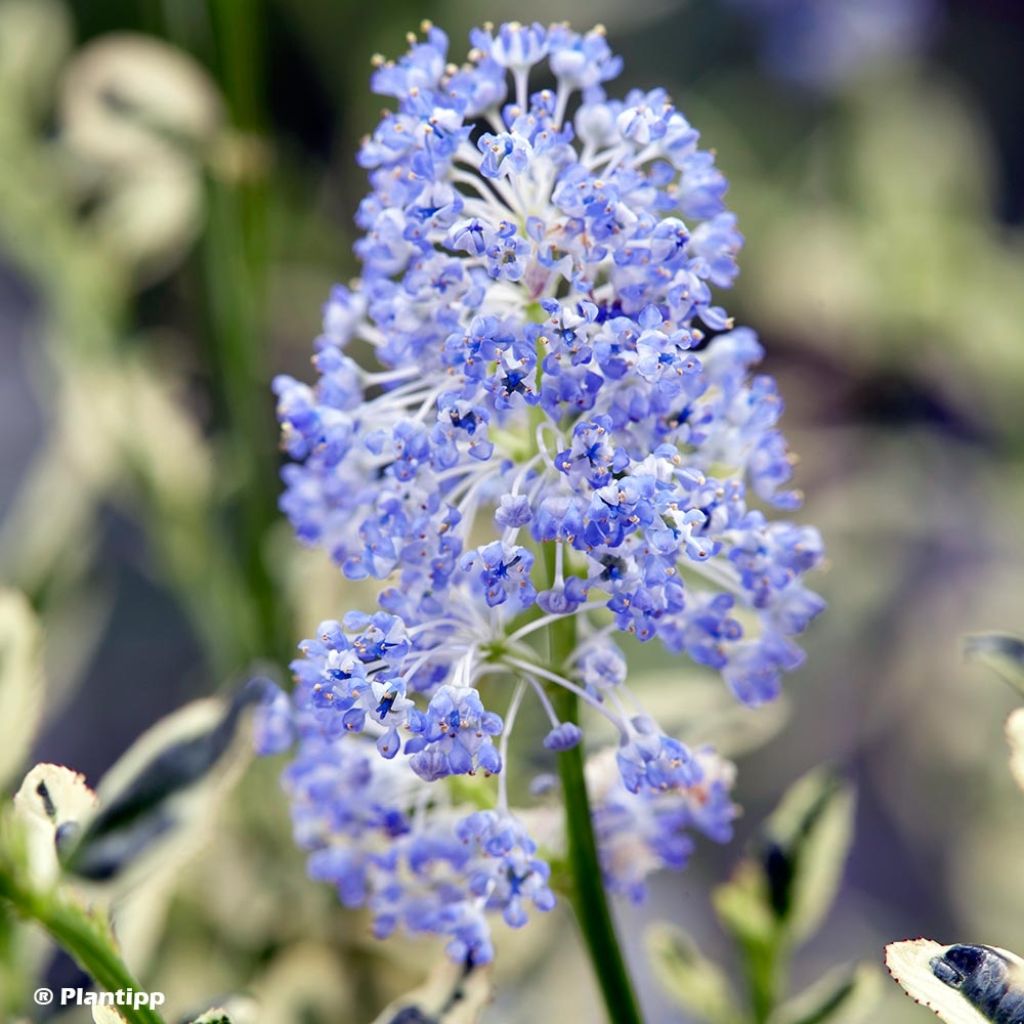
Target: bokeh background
[{"x": 177, "y": 182}]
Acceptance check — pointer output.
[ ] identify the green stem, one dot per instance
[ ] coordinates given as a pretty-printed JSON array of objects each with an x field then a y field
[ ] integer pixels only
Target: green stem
[
  {"x": 84, "y": 937},
  {"x": 11, "y": 989},
  {"x": 590, "y": 901},
  {"x": 235, "y": 267},
  {"x": 761, "y": 963}
]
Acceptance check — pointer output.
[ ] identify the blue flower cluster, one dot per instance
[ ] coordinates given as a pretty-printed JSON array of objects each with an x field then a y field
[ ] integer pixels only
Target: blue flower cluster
[
  {"x": 365, "y": 822},
  {"x": 528, "y": 407}
]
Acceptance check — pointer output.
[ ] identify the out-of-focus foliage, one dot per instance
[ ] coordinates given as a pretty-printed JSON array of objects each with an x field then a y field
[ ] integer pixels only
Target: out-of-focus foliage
[
  {"x": 136, "y": 117},
  {"x": 883, "y": 265},
  {"x": 21, "y": 680},
  {"x": 1015, "y": 736},
  {"x": 1002, "y": 653},
  {"x": 844, "y": 995},
  {"x": 72, "y": 861},
  {"x": 1005, "y": 655},
  {"x": 776, "y": 900},
  {"x": 806, "y": 842},
  {"x": 110, "y": 203},
  {"x": 692, "y": 980},
  {"x": 451, "y": 995},
  {"x": 969, "y": 984}
]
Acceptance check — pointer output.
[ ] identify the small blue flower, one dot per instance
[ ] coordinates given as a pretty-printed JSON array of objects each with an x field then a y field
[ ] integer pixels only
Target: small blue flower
[
  {"x": 272, "y": 728},
  {"x": 513, "y": 511},
  {"x": 581, "y": 62},
  {"x": 502, "y": 572},
  {"x": 508, "y": 874},
  {"x": 504, "y": 155},
  {"x": 602, "y": 666},
  {"x": 651, "y": 761},
  {"x": 563, "y": 737},
  {"x": 513, "y": 45},
  {"x": 454, "y": 736}
]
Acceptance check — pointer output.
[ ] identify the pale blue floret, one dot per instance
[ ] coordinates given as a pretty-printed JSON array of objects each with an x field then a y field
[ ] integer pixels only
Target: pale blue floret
[{"x": 563, "y": 737}]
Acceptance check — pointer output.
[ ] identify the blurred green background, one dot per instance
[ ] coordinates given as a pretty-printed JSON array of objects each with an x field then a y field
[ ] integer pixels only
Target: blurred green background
[{"x": 177, "y": 185}]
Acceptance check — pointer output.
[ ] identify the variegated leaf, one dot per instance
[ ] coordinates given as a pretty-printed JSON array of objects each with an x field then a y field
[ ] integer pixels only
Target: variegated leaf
[
  {"x": 452, "y": 994},
  {"x": 694, "y": 982},
  {"x": 962, "y": 984},
  {"x": 156, "y": 802},
  {"x": 1015, "y": 736},
  {"x": 22, "y": 685},
  {"x": 846, "y": 995},
  {"x": 51, "y": 803},
  {"x": 1001, "y": 652},
  {"x": 806, "y": 843}
]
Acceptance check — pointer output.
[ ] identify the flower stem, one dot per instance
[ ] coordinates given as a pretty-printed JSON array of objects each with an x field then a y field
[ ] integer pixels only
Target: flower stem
[
  {"x": 590, "y": 901},
  {"x": 235, "y": 262},
  {"x": 83, "y": 936}
]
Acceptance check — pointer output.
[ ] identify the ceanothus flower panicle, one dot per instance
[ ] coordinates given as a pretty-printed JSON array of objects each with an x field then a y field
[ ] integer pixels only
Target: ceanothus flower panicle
[{"x": 529, "y": 406}]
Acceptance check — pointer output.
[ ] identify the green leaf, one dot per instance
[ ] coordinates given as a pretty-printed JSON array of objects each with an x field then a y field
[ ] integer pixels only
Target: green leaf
[
  {"x": 804, "y": 849},
  {"x": 743, "y": 906},
  {"x": 452, "y": 994},
  {"x": 778, "y": 898},
  {"x": 22, "y": 684},
  {"x": 694, "y": 982},
  {"x": 845, "y": 995},
  {"x": 1001, "y": 652}
]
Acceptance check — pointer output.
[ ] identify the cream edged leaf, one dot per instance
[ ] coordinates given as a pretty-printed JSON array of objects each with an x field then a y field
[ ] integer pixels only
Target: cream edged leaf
[
  {"x": 51, "y": 800},
  {"x": 911, "y": 965},
  {"x": 159, "y": 801},
  {"x": 1015, "y": 737},
  {"x": 452, "y": 994},
  {"x": 808, "y": 839},
  {"x": 696, "y": 983},
  {"x": 21, "y": 680},
  {"x": 845, "y": 995},
  {"x": 1001, "y": 652}
]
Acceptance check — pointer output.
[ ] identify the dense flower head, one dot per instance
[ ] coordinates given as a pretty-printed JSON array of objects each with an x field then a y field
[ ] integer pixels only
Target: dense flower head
[{"x": 528, "y": 407}]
